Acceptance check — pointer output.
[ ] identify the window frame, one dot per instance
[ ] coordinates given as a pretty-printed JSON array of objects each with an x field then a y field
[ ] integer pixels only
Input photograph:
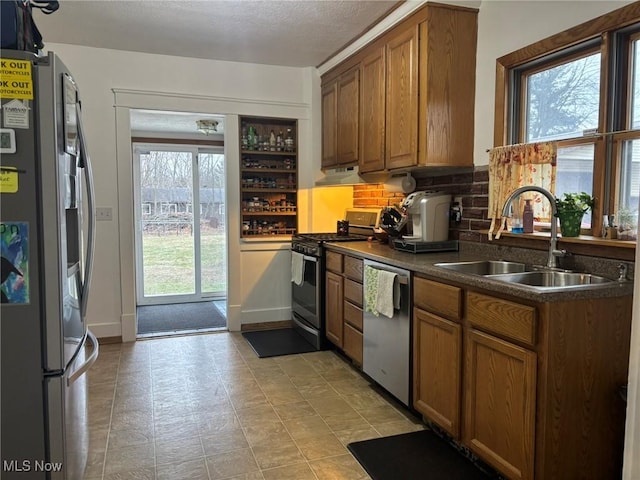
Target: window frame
[
  {"x": 624, "y": 126},
  {"x": 521, "y": 75},
  {"x": 607, "y": 31}
]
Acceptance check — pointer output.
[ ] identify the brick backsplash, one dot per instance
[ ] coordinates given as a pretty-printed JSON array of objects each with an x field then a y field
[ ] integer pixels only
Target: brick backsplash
[
  {"x": 472, "y": 186},
  {"x": 374, "y": 195}
]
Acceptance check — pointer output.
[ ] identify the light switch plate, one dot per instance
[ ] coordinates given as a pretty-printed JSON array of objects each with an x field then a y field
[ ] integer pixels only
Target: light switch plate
[{"x": 104, "y": 214}]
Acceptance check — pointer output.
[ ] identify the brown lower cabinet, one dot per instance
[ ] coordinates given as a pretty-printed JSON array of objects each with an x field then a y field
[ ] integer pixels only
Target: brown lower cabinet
[
  {"x": 531, "y": 389},
  {"x": 333, "y": 308},
  {"x": 500, "y": 403},
  {"x": 343, "y": 303},
  {"x": 437, "y": 373}
]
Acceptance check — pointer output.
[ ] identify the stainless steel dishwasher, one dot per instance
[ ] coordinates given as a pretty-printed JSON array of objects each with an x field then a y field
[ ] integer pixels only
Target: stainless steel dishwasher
[{"x": 387, "y": 341}]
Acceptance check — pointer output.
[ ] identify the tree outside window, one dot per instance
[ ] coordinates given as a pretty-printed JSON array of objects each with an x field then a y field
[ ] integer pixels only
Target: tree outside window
[{"x": 564, "y": 100}]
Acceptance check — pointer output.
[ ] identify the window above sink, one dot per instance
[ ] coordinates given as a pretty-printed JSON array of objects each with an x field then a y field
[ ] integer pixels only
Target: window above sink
[{"x": 580, "y": 89}]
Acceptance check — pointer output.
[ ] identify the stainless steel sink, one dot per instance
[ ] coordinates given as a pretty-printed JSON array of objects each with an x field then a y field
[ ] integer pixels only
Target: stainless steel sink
[
  {"x": 544, "y": 279},
  {"x": 484, "y": 267},
  {"x": 520, "y": 274}
]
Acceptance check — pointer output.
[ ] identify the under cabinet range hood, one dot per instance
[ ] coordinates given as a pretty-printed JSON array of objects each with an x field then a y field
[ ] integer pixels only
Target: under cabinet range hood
[{"x": 341, "y": 176}]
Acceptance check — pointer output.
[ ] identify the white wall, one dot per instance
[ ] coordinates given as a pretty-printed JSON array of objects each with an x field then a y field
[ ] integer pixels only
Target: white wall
[
  {"x": 259, "y": 274},
  {"x": 506, "y": 26},
  {"x": 631, "y": 469}
]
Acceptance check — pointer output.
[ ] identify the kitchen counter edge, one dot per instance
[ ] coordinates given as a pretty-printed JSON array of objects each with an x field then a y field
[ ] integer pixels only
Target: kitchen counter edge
[{"x": 423, "y": 263}]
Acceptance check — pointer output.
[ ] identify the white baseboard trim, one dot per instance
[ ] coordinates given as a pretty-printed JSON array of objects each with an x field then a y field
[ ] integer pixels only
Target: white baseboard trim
[
  {"x": 266, "y": 315},
  {"x": 105, "y": 330},
  {"x": 126, "y": 329}
]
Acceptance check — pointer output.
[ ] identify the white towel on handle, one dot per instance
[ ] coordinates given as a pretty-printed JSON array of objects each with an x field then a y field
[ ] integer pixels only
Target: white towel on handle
[
  {"x": 297, "y": 268},
  {"x": 388, "y": 293}
]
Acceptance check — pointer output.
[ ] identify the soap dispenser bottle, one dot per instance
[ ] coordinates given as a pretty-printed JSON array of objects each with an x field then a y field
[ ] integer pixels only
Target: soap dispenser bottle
[
  {"x": 516, "y": 220},
  {"x": 527, "y": 217}
]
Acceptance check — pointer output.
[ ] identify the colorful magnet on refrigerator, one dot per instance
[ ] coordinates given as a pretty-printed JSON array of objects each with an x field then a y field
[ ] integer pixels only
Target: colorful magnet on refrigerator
[{"x": 14, "y": 249}]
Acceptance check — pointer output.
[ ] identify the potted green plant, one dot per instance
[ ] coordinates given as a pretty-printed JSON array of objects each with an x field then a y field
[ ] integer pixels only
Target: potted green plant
[{"x": 571, "y": 208}]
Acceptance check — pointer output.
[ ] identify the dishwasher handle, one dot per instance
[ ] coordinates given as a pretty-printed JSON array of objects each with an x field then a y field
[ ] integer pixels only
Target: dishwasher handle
[{"x": 402, "y": 279}]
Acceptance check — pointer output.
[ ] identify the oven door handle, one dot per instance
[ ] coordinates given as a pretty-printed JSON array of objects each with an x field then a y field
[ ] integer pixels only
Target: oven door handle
[{"x": 310, "y": 259}]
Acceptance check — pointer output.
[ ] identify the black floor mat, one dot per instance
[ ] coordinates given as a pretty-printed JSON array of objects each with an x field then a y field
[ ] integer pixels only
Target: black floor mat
[
  {"x": 178, "y": 317},
  {"x": 414, "y": 456},
  {"x": 273, "y": 343}
]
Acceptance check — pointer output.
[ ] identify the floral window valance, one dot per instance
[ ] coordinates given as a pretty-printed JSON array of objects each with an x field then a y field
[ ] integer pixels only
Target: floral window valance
[{"x": 514, "y": 166}]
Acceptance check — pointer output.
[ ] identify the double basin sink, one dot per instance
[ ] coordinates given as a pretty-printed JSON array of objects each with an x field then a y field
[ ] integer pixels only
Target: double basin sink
[{"x": 519, "y": 273}]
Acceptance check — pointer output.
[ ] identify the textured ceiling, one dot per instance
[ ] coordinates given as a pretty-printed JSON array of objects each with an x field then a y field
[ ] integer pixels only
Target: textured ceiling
[{"x": 275, "y": 32}]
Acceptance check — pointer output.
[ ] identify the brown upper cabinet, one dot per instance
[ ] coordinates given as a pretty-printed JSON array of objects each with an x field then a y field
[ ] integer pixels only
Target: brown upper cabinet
[
  {"x": 416, "y": 96},
  {"x": 330, "y": 124},
  {"x": 348, "y": 108},
  {"x": 372, "y": 111},
  {"x": 340, "y": 115},
  {"x": 402, "y": 121}
]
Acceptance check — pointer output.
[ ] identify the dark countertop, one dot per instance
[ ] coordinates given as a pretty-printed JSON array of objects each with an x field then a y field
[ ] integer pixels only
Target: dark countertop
[{"x": 423, "y": 263}]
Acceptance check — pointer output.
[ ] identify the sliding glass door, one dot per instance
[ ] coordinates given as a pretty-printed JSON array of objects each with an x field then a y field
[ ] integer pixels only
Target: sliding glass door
[{"x": 180, "y": 224}]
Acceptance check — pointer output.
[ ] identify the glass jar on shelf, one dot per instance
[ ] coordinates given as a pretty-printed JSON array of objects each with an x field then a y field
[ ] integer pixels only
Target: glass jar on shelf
[
  {"x": 279, "y": 142},
  {"x": 288, "y": 141},
  {"x": 251, "y": 137},
  {"x": 244, "y": 139},
  {"x": 272, "y": 141}
]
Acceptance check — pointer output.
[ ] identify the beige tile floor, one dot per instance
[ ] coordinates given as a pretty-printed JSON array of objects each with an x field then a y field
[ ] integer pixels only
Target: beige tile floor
[{"x": 206, "y": 407}]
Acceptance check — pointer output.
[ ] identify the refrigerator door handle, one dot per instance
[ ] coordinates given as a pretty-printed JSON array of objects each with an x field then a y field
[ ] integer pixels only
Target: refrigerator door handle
[
  {"x": 88, "y": 362},
  {"x": 88, "y": 266}
]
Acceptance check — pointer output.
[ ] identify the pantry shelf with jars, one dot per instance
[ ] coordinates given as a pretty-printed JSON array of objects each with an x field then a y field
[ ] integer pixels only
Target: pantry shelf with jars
[{"x": 268, "y": 177}]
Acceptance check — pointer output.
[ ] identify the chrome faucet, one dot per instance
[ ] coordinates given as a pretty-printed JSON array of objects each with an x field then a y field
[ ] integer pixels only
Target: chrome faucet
[
  {"x": 622, "y": 272},
  {"x": 554, "y": 253}
]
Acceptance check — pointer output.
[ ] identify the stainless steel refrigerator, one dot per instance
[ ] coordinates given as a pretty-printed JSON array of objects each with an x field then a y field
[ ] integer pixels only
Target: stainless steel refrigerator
[{"x": 46, "y": 238}]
